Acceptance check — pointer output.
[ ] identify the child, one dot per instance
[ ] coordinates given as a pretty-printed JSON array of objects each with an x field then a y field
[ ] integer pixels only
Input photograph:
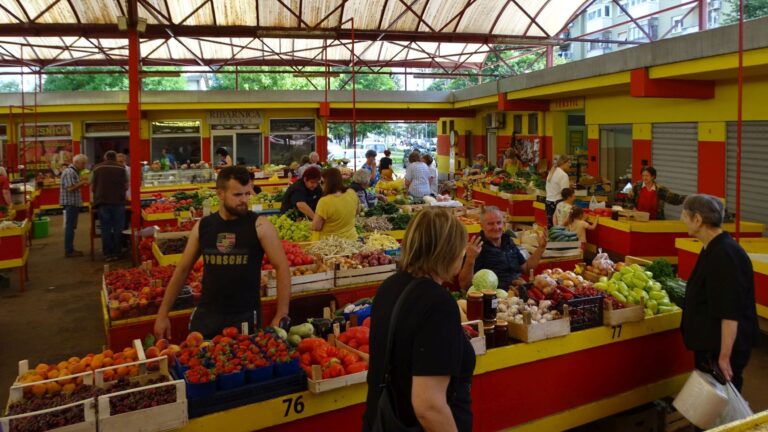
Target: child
[
  {"x": 564, "y": 207},
  {"x": 576, "y": 223}
]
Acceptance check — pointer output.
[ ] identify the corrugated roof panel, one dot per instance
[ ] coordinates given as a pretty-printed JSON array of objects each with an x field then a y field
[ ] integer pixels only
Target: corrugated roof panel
[
  {"x": 368, "y": 12},
  {"x": 235, "y": 13},
  {"x": 59, "y": 13},
  {"x": 97, "y": 11},
  {"x": 444, "y": 13},
  {"x": 513, "y": 21},
  {"x": 6, "y": 18},
  {"x": 274, "y": 14},
  {"x": 480, "y": 17},
  {"x": 555, "y": 14},
  {"x": 314, "y": 12},
  {"x": 398, "y": 17},
  {"x": 181, "y": 9}
]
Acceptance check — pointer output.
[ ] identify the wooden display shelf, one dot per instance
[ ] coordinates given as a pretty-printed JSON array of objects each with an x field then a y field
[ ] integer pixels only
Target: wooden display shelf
[
  {"x": 655, "y": 372},
  {"x": 688, "y": 250}
]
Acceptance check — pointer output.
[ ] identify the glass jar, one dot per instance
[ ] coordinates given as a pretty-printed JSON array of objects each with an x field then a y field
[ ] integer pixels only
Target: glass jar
[
  {"x": 474, "y": 306},
  {"x": 501, "y": 333},
  {"x": 490, "y": 305},
  {"x": 489, "y": 328}
]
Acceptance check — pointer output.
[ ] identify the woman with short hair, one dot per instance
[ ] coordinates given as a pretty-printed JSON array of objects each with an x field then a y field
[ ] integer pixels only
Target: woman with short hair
[
  {"x": 359, "y": 184},
  {"x": 431, "y": 362},
  {"x": 719, "y": 316},
  {"x": 649, "y": 196},
  {"x": 225, "y": 159}
]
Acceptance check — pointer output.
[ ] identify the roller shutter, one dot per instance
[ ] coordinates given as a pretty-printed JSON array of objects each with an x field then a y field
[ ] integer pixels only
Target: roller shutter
[
  {"x": 675, "y": 155},
  {"x": 754, "y": 171}
]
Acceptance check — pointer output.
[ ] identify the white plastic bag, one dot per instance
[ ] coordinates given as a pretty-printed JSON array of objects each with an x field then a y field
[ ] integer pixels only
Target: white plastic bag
[
  {"x": 736, "y": 409},
  {"x": 593, "y": 204}
]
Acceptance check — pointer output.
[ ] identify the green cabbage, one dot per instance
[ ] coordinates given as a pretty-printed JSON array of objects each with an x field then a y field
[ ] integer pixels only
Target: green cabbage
[{"x": 485, "y": 280}]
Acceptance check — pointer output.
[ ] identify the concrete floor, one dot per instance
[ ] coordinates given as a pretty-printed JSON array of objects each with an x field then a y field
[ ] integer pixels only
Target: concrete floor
[{"x": 59, "y": 314}]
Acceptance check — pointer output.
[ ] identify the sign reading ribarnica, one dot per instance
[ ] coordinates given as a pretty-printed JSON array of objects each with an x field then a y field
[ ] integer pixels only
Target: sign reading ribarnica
[{"x": 234, "y": 117}]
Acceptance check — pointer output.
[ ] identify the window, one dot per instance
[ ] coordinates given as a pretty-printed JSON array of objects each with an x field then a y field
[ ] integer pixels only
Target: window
[
  {"x": 622, "y": 36},
  {"x": 677, "y": 24},
  {"x": 290, "y": 139},
  {"x": 181, "y": 139},
  {"x": 533, "y": 124},
  {"x": 607, "y": 11},
  {"x": 517, "y": 123},
  {"x": 714, "y": 18}
]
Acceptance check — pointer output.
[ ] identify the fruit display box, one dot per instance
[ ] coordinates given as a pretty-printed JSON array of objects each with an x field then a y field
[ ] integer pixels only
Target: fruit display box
[
  {"x": 631, "y": 313},
  {"x": 478, "y": 343},
  {"x": 308, "y": 282},
  {"x": 247, "y": 394},
  {"x": 82, "y": 415},
  {"x": 531, "y": 332},
  {"x": 168, "y": 416},
  {"x": 134, "y": 309},
  {"x": 364, "y": 275},
  {"x": 562, "y": 249},
  {"x": 318, "y": 385},
  {"x": 164, "y": 260},
  {"x": 585, "y": 312}
]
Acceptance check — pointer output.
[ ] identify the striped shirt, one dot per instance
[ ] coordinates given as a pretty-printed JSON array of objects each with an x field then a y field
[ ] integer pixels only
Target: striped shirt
[
  {"x": 418, "y": 175},
  {"x": 69, "y": 178}
]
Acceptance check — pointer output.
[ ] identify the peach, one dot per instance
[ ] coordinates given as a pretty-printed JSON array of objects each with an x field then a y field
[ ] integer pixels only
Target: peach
[
  {"x": 162, "y": 344},
  {"x": 152, "y": 352}
]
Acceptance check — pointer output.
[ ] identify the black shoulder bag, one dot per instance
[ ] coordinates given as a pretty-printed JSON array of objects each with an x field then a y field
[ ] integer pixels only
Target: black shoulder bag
[{"x": 387, "y": 418}]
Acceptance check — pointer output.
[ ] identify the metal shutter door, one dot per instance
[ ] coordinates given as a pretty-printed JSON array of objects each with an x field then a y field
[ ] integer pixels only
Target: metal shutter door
[
  {"x": 754, "y": 173},
  {"x": 675, "y": 155}
]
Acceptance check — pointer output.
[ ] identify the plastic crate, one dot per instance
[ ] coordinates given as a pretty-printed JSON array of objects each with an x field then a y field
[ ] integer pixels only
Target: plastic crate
[{"x": 585, "y": 312}]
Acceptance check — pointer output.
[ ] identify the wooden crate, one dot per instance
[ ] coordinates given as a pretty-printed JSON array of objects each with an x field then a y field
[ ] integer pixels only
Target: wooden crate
[
  {"x": 613, "y": 317},
  {"x": 478, "y": 343},
  {"x": 88, "y": 425},
  {"x": 363, "y": 275},
  {"x": 529, "y": 332},
  {"x": 629, "y": 260},
  {"x": 159, "y": 418},
  {"x": 315, "y": 281},
  {"x": 634, "y": 215},
  {"x": 316, "y": 384},
  {"x": 333, "y": 339}
]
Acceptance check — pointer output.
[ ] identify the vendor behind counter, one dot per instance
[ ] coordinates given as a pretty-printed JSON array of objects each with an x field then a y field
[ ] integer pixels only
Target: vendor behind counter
[
  {"x": 649, "y": 196},
  {"x": 304, "y": 194}
]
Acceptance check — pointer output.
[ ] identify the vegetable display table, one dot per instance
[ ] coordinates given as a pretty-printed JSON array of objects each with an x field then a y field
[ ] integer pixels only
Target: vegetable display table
[
  {"x": 121, "y": 333},
  {"x": 14, "y": 251},
  {"x": 519, "y": 206},
  {"x": 596, "y": 373},
  {"x": 688, "y": 250},
  {"x": 652, "y": 239},
  {"x": 266, "y": 185}
]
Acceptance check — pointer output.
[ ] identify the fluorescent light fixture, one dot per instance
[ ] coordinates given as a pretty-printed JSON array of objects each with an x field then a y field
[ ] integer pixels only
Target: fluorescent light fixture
[
  {"x": 160, "y": 74},
  {"x": 141, "y": 26},
  {"x": 122, "y": 23}
]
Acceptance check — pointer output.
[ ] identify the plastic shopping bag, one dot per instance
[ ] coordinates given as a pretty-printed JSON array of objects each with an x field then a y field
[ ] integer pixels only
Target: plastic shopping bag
[
  {"x": 593, "y": 204},
  {"x": 736, "y": 409}
]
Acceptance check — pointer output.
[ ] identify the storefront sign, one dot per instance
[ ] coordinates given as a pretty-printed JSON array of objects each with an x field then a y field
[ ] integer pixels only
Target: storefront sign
[
  {"x": 234, "y": 117},
  {"x": 292, "y": 126},
  {"x": 45, "y": 131},
  {"x": 176, "y": 127},
  {"x": 117, "y": 128},
  {"x": 568, "y": 104}
]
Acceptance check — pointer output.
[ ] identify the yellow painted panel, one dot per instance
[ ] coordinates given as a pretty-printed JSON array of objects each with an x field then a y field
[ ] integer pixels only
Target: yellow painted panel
[
  {"x": 569, "y": 86},
  {"x": 492, "y": 100},
  {"x": 757, "y": 248},
  {"x": 612, "y": 109},
  {"x": 603, "y": 408},
  {"x": 641, "y": 131},
  {"x": 41, "y": 109},
  {"x": 539, "y": 205},
  {"x": 712, "y": 131},
  {"x": 762, "y": 311},
  {"x": 593, "y": 131},
  {"x": 226, "y": 105},
  {"x": 442, "y": 164},
  {"x": 722, "y": 62}
]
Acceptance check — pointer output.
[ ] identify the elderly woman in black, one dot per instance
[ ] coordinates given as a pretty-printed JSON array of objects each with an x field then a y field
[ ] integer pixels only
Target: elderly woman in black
[{"x": 719, "y": 318}]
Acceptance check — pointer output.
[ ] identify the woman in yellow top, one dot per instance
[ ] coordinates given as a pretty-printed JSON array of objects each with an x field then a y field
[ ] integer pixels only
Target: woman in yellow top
[
  {"x": 512, "y": 162},
  {"x": 336, "y": 211}
]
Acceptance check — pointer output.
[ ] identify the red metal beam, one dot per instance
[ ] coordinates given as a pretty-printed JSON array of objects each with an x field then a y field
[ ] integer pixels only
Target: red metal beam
[
  {"x": 582, "y": 37},
  {"x": 23, "y": 10},
  {"x": 74, "y": 11},
  {"x": 641, "y": 85},
  {"x": 522, "y": 104},
  {"x": 421, "y": 16},
  {"x": 634, "y": 21},
  {"x": 8, "y": 11}
]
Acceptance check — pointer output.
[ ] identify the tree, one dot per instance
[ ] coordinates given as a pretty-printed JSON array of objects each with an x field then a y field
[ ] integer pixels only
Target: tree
[
  {"x": 252, "y": 78},
  {"x": 365, "y": 81},
  {"x": 108, "y": 81},
  {"x": 9, "y": 87},
  {"x": 752, "y": 9}
]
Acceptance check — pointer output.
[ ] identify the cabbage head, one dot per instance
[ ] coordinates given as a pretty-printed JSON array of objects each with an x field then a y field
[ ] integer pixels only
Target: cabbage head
[{"x": 485, "y": 279}]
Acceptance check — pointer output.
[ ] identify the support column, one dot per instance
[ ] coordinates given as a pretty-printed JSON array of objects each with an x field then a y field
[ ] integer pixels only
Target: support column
[
  {"x": 555, "y": 135},
  {"x": 593, "y": 150},
  {"x": 712, "y": 158},
  {"x": 134, "y": 119},
  {"x": 641, "y": 148}
]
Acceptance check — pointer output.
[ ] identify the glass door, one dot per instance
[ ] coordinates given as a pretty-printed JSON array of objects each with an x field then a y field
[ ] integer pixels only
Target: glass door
[
  {"x": 225, "y": 141},
  {"x": 249, "y": 149}
]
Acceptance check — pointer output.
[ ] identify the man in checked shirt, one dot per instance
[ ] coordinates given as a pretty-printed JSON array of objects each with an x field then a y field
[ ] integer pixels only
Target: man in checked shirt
[{"x": 70, "y": 197}]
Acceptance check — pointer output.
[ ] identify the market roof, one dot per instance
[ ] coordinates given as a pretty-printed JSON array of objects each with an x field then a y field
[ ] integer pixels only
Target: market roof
[{"x": 214, "y": 33}]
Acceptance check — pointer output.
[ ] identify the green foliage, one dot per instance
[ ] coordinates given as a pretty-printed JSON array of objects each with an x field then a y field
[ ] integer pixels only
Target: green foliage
[
  {"x": 752, "y": 9},
  {"x": 9, "y": 87},
  {"x": 107, "y": 82}
]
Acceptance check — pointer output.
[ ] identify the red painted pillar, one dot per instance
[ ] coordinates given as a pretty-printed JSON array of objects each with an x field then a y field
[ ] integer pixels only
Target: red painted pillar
[
  {"x": 321, "y": 147},
  {"x": 641, "y": 157},
  {"x": 712, "y": 162},
  {"x": 134, "y": 124},
  {"x": 206, "y": 156},
  {"x": 266, "y": 149}
]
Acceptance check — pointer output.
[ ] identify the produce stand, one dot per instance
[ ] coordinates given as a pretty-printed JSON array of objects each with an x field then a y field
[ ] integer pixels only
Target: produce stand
[
  {"x": 162, "y": 219},
  {"x": 652, "y": 239},
  {"x": 266, "y": 184},
  {"x": 749, "y": 423},
  {"x": 631, "y": 374},
  {"x": 688, "y": 250},
  {"x": 119, "y": 334},
  {"x": 519, "y": 206},
  {"x": 14, "y": 251}
]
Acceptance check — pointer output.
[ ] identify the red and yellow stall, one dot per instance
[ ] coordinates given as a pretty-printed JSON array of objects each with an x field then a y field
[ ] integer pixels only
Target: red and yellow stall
[
  {"x": 688, "y": 250},
  {"x": 564, "y": 372},
  {"x": 651, "y": 239}
]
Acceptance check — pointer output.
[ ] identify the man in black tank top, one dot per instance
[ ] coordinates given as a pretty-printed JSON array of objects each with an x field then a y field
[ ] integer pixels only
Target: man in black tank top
[{"x": 232, "y": 243}]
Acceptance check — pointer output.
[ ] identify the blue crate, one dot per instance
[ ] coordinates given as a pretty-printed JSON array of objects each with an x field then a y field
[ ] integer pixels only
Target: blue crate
[
  {"x": 230, "y": 381},
  {"x": 287, "y": 369},
  {"x": 261, "y": 374}
]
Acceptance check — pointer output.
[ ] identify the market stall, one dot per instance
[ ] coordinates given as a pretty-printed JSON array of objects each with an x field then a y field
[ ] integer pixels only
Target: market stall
[
  {"x": 13, "y": 248},
  {"x": 651, "y": 239},
  {"x": 630, "y": 374},
  {"x": 757, "y": 248}
]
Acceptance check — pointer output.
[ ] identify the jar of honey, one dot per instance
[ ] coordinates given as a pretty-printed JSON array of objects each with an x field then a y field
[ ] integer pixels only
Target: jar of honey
[{"x": 474, "y": 306}]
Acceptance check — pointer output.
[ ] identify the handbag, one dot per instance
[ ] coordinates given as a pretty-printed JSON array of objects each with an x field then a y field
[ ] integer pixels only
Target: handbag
[{"x": 387, "y": 418}]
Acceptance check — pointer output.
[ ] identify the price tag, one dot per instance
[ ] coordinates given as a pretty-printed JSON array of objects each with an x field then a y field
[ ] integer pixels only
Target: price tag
[{"x": 616, "y": 332}]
